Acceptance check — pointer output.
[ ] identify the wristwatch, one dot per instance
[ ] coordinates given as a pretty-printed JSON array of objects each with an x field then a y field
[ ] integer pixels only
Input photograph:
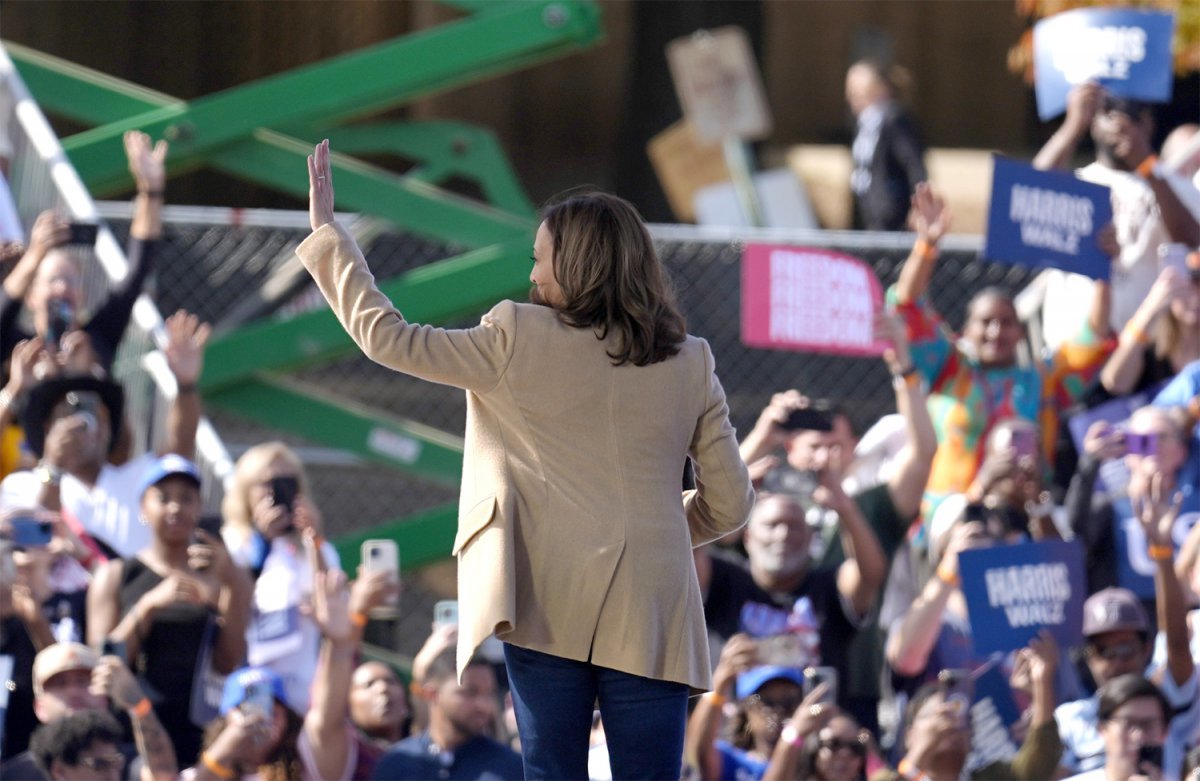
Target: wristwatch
[{"x": 47, "y": 474}]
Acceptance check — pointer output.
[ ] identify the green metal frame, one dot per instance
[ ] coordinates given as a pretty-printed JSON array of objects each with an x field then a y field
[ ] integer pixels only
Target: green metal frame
[{"x": 263, "y": 132}]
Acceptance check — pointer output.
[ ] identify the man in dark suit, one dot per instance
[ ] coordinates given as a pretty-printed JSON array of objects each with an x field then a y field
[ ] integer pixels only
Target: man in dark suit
[{"x": 888, "y": 155}]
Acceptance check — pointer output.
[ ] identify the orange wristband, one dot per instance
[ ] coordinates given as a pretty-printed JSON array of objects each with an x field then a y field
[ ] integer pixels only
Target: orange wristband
[
  {"x": 216, "y": 767},
  {"x": 358, "y": 619},
  {"x": 1145, "y": 168},
  {"x": 1131, "y": 331},
  {"x": 715, "y": 699},
  {"x": 947, "y": 576},
  {"x": 143, "y": 708},
  {"x": 926, "y": 250},
  {"x": 1161, "y": 552}
]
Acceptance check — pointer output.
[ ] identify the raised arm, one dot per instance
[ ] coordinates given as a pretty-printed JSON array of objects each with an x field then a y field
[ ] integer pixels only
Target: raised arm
[
  {"x": 1157, "y": 512},
  {"x": 147, "y": 163},
  {"x": 112, "y": 679},
  {"x": 1082, "y": 104},
  {"x": 49, "y": 231},
  {"x": 931, "y": 220},
  {"x": 699, "y": 746},
  {"x": 235, "y": 593},
  {"x": 326, "y": 720},
  {"x": 186, "y": 339},
  {"x": 906, "y": 487},
  {"x": 860, "y": 576},
  {"x": 1123, "y": 368}
]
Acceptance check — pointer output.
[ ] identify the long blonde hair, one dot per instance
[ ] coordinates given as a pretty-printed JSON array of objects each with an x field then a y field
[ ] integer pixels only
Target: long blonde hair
[{"x": 236, "y": 508}]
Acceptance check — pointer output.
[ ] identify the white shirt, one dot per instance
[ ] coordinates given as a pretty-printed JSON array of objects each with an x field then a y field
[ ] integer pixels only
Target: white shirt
[
  {"x": 1140, "y": 231},
  {"x": 110, "y": 510}
]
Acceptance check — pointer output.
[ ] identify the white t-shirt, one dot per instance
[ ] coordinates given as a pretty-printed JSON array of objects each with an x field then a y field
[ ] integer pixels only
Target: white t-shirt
[
  {"x": 1140, "y": 230},
  {"x": 279, "y": 635},
  {"x": 109, "y": 511}
]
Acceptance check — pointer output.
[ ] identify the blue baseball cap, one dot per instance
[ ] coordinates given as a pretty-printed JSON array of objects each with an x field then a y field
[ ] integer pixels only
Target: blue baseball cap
[
  {"x": 752, "y": 680},
  {"x": 168, "y": 465},
  {"x": 239, "y": 681}
]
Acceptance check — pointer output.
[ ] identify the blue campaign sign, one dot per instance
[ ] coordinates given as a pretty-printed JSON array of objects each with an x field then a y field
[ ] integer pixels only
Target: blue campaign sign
[
  {"x": 993, "y": 713},
  {"x": 1126, "y": 51},
  {"x": 1013, "y": 591},
  {"x": 1046, "y": 218}
]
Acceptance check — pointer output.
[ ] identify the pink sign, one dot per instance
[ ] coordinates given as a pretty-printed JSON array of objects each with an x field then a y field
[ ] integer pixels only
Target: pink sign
[{"x": 809, "y": 300}]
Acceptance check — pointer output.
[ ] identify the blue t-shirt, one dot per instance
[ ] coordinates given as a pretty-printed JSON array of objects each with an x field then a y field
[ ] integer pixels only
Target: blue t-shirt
[
  {"x": 737, "y": 765},
  {"x": 417, "y": 758}
]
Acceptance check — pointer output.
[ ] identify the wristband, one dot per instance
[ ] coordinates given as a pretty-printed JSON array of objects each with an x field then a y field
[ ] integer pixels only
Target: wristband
[
  {"x": 142, "y": 709},
  {"x": 791, "y": 736},
  {"x": 216, "y": 767},
  {"x": 358, "y": 619},
  {"x": 6, "y": 398},
  {"x": 1145, "y": 168},
  {"x": 910, "y": 772},
  {"x": 715, "y": 699},
  {"x": 1160, "y": 552},
  {"x": 1131, "y": 331},
  {"x": 925, "y": 250},
  {"x": 948, "y": 576}
]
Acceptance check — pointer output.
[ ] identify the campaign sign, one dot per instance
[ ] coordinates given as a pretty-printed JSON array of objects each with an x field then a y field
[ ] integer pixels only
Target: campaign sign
[
  {"x": 1046, "y": 218},
  {"x": 809, "y": 300},
  {"x": 993, "y": 714},
  {"x": 1135, "y": 568},
  {"x": 1013, "y": 591},
  {"x": 1127, "y": 51}
]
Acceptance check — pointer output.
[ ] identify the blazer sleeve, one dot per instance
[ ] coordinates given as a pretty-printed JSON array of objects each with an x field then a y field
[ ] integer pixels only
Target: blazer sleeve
[
  {"x": 723, "y": 496},
  {"x": 472, "y": 358}
]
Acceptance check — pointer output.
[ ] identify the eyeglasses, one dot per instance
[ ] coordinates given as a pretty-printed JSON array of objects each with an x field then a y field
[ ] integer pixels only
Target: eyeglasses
[
  {"x": 1115, "y": 652},
  {"x": 832, "y": 745},
  {"x": 787, "y": 705},
  {"x": 104, "y": 764}
]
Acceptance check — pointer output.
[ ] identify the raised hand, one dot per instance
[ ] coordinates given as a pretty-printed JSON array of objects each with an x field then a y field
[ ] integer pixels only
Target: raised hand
[
  {"x": 889, "y": 327},
  {"x": 147, "y": 162},
  {"x": 1083, "y": 102},
  {"x": 22, "y": 372},
  {"x": 112, "y": 679},
  {"x": 373, "y": 589},
  {"x": 186, "y": 339},
  {"x": 331, "y": 604},
  {"x": 1103, "y": 441},
  {"x": 320, "y": 186},
  {"x": 1157, "y": 511},
  {"x": 929, "y": 217},
  {"x": 49, "y": 231}
]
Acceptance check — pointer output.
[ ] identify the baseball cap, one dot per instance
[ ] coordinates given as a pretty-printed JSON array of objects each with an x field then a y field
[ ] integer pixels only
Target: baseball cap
[
  {"x": 239, "y": 681},
  {"x": 170, "y": 464},
  {"x": 59, "y": 658},
  {"x": 1113, "y": 610},
  {"x": 753, "y": 679}
]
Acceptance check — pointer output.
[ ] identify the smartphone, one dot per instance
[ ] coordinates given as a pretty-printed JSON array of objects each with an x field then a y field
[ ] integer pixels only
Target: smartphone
[
  {"x": 1152, "y": 755},
  {"x": 959, "y": 689},
  {"x": 445, "y": 613},
  {"x": 807, "y": 419},
  {"x": 259, "y": 700},
  {"x": 283, "y": 492},
  {"x": 60, "y": 316},
  {"x": 83, "y": 233},
  {"x": 210, "y": 524},
  {"x": 29, "y": 532},
  {"x": 1023, "y": 441},
  {"x": 112, "y": 647},
  {"x": 382, "y": 556},
  {"x": 1141, "y": 444},
  {"x": 792, "y": 482},
  {"x": 815, "y": 676}
]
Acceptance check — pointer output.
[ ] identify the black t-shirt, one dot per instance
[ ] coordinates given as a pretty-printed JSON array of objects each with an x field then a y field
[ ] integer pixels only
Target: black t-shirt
[
  {"x": 736, "y": 603},
  {"x": 19, "y": 720},
  {"x": 478, "y": 758}
]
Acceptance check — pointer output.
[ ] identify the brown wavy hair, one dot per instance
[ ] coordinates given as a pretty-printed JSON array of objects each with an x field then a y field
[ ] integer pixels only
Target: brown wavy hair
[
  {"x": 611, "y": 278},
  {"x": 283, "y": 764}
]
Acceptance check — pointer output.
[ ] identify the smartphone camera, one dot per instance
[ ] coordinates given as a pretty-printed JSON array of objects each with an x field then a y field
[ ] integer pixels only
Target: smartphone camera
[
  {"x": 30, "y": 532},
  {"x": 792, "y": 482},
  {"x": 59, "y": 319},
  {"x": 815, "y": 676},
  {"x": 284, "y": 491},
  {"x": 83, "y": 233}
]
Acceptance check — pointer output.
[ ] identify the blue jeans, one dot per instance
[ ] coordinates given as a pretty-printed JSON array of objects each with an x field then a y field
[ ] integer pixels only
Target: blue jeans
[{"x": 554, "y": 699}]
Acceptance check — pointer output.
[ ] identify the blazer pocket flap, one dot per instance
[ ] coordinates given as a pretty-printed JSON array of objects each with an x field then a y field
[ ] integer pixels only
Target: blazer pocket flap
[{"x": 473, "y": 522}]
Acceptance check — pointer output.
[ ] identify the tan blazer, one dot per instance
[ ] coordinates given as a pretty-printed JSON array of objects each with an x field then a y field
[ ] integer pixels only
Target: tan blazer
[{"x": 572, "y": 539}]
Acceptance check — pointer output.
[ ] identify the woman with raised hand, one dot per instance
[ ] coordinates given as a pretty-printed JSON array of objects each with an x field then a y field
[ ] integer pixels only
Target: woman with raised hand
[{"x": 574, "y": 542}]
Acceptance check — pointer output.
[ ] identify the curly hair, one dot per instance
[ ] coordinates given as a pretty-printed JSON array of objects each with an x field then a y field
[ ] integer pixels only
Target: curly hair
[{"x": 283, "y": 763}]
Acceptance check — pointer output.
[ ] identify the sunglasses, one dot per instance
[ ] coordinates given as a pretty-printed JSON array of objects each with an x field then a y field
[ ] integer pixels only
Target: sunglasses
[
  {"x": 1126, "y": 650},
  {"x": 833, "y": 745},
  {"x": 1141, "y": 444},
  {"x": 103, "y": 764}
]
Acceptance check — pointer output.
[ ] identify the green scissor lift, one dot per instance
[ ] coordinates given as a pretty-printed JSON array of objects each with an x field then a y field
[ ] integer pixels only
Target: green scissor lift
[{"x": 263, "y": 132}]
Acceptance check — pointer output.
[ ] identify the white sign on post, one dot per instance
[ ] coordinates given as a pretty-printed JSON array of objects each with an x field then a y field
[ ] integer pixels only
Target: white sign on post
[{"x": 718, "y": 84}]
